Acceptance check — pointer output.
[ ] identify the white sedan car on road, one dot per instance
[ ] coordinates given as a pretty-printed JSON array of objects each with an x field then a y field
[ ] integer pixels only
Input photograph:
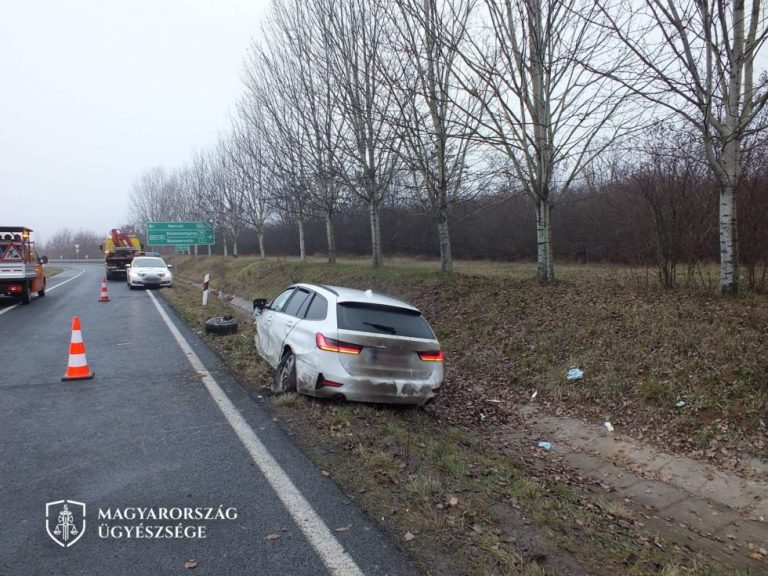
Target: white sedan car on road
[{"x": 149, "y": 272}]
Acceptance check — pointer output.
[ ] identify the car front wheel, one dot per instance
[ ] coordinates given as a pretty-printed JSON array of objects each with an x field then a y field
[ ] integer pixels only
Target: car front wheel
[{"x": 284, "y": 379}]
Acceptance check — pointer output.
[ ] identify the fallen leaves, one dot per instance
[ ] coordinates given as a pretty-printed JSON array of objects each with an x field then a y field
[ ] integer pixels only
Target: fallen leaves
[{"x": 409, "y": 537}]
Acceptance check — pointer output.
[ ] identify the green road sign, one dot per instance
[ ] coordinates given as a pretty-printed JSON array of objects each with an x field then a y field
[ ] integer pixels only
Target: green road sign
[{"x": 179, "y": 233}]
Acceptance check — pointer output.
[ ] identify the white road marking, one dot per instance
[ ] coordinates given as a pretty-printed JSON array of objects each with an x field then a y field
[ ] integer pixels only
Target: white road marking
[
  {"x": 309, "y": 522},
  {"x": 4, "y": 310}
]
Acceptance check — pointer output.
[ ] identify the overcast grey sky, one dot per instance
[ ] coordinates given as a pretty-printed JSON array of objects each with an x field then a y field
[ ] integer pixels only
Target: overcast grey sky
[{"x": 94, "y": 92}]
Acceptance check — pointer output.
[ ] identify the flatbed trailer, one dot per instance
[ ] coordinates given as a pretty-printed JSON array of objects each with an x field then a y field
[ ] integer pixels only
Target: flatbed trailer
[{"x": 22, "y": 271}]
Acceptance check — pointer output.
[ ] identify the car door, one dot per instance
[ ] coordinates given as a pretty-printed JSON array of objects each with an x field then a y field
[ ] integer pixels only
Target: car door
[
  {"x": 284, "y": 322},
  {"x": 265, "y": 322}
]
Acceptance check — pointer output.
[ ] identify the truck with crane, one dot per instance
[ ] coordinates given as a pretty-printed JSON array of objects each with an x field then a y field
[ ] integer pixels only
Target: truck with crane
[{"x": 119, "y": 250}]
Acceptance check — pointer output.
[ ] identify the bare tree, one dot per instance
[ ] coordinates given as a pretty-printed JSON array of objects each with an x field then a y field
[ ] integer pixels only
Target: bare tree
[
  {"x": 199, "y": 186},
  {"x": 545, "y": 106},
  {"x": 697, "y": 58},
  {"x": 250, "y": 157},
  {"x": 357, "y": 33},
  {"x": 668, "y": 173},
  {"x": 436, "y": 133},
  {"x": 228, "y": 194},
  {"x": 152, "y": 198}
]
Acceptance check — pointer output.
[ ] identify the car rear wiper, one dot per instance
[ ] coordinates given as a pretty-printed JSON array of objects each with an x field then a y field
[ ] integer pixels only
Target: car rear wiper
[{"x": 382, "y": 327}]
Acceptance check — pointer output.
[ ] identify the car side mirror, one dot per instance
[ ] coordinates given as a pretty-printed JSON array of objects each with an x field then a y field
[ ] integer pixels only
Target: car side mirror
[
  {"x": 259, "y": 304},
  {"x": 127, "y": 265},
  {"x": 43, "y": 259},
  {"x": 169, "y": 266}
]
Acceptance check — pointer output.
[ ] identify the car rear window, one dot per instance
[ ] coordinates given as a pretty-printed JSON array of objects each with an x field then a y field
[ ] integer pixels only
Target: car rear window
[{"x": 379, "y": 319}]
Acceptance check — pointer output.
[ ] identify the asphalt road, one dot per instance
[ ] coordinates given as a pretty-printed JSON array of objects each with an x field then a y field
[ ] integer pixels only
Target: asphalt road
[{"x": 146, "y": 433}]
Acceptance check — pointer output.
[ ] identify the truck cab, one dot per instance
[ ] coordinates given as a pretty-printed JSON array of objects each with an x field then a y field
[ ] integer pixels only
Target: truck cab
[{"x": 22, "y": 271}]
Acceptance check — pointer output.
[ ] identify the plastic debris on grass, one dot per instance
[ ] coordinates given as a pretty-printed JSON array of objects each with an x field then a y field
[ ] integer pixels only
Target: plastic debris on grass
[
  {"x": 574, "y": 374},
  {"x": 608, "y": 426},
  {"x": 545, "y": 445},
  {"x": 680, "y": 403}
]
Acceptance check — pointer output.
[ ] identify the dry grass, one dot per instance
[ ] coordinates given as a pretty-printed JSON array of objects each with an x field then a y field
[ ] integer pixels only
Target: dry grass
[{"x": 642, "y": 349}]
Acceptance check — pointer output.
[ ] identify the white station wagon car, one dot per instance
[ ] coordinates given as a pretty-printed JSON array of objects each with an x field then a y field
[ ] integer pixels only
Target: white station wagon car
[{"x": 334, "y": 342}]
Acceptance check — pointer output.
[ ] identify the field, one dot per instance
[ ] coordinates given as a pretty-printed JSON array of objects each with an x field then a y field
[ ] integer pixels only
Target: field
[{"x": 463, "y": 498}]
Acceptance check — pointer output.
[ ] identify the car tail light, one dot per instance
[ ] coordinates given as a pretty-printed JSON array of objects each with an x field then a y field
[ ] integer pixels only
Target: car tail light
[
  {"x": 331, "y": 345},
  {"x": 15, "y": 288},
  {"x": 431, "y": 356}
]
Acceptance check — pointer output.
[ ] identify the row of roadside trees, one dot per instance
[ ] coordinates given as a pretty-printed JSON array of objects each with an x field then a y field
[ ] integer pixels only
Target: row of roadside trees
[{"x": 351, "y": 104}]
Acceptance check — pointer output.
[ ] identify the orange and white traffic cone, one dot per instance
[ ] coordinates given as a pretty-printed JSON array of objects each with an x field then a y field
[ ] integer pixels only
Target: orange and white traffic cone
[
  {"x": 77, "y": 368},
  {"x": 103, "y": 296}
]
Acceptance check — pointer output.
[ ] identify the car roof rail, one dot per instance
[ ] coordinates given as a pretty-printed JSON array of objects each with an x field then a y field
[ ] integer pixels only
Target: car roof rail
[{"x": 323, "y": 286}]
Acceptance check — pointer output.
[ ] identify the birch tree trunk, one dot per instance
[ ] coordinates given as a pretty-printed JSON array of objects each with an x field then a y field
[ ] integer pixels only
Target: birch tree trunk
[
  {"x": 373, "y": 210},
  {"x": 729, "y": 253},
  {"x": 262, "y": 252},
  {"x": 545, "y": 271},
  {"x": 302, "y": 245},
  {"x": 330, "y": 234},
  {"x": 446, "y": 259}
]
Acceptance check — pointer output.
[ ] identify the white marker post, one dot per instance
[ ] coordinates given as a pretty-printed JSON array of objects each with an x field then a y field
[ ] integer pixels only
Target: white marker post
[{"x": 206, "y": 280}]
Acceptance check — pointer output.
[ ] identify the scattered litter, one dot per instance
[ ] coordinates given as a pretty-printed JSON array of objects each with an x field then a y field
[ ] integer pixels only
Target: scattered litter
[
  {"x": 272, "y": 537},
  {"x": 453, "y": 501},
  {"x": 545, "y": 445},
  {"x": 494, "y": 401},
  {"x": 408, "y": 536},
  {"x": 482, "y": 416},
  {"x": 574, "y": 374},
  {"x": 190, "y": 564},
  {"x": 325, "y": 473},
  {"x": 680, "y": 403},
  {"x": 608, "y": 426},
  {"x": 344, "y": 528},
  {"x": 535, "y": 393}
]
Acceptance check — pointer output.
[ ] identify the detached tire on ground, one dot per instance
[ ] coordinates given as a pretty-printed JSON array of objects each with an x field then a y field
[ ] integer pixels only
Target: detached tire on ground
[{"x": 221, "y": 325}]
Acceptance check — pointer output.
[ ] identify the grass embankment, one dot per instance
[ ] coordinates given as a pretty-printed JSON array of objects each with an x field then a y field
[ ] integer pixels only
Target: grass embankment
[{"x": 460, "y": 501}]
